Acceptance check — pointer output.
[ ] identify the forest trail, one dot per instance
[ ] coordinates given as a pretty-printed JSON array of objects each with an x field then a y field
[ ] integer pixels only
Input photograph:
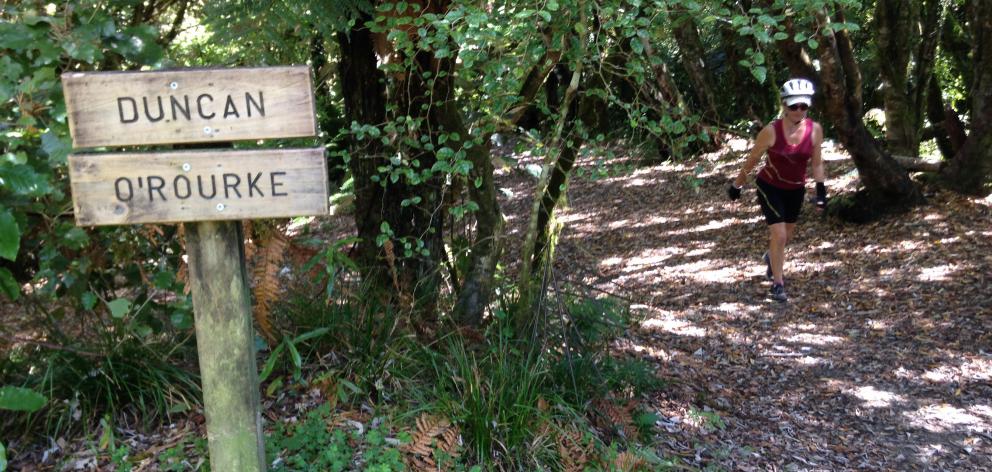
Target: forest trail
[{"x": 881, "y": 359}]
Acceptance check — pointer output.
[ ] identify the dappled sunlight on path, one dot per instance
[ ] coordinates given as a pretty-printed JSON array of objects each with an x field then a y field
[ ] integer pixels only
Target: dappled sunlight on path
[{"x": 881, "y": 359}]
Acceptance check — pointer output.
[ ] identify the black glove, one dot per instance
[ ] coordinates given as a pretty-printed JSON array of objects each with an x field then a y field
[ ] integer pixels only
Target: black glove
[
  {"x": 821, "y": 195},
  {"x": 733, "y": 192}
]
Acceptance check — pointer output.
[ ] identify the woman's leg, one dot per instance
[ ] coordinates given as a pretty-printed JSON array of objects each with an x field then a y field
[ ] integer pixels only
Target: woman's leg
[{"x": 778, "y": 236}]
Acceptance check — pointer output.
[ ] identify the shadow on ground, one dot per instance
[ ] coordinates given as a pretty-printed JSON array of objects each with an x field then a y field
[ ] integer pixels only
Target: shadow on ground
[{"x": 881, "y": 360}]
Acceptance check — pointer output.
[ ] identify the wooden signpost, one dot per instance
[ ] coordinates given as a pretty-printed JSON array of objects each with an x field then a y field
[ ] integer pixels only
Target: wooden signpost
[{"x": 211, "y": 189}]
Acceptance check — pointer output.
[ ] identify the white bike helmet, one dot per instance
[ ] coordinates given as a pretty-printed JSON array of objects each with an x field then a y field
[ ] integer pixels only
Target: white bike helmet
[{"x": 797, "y": 91}]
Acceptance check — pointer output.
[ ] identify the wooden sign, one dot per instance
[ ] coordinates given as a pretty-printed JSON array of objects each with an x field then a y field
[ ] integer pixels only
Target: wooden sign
[
  {"x": 129, "y": 188},
  {"x": 188, "y": 106}
]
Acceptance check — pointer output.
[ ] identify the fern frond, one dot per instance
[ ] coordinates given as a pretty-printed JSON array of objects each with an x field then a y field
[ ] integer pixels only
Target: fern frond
[
  {"x": 618, "y": 419},
  {"x": 629, "y": 462},
  {"x": 265, "y": 277},
  {"x": 573, "y": 450},
  {"x": 433, "y": 434}
]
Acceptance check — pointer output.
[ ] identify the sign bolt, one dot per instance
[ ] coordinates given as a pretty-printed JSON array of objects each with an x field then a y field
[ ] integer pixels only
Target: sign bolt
[
  {"x": 174, "y": 85},
  {"x": 207, "y": 130},
  {"x": 186, "y": 167},
  {"x": 220, "y": 207}
]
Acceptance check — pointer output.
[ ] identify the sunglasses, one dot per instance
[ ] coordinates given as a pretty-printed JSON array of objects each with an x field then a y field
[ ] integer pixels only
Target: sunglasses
[{"x": 799, "y": 106}]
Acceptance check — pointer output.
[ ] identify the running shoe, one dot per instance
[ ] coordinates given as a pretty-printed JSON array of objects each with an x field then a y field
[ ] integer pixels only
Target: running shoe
[{"x": 777, "y": 293}]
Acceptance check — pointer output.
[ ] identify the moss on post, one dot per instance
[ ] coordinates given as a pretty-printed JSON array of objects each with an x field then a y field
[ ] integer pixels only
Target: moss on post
[{"x": 225, "y": 344}]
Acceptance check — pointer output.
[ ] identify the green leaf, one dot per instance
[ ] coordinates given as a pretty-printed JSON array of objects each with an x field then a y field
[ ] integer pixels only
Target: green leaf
[
  {"x": 18, "y": 37},
  {"x": 76, "y": 238},
  {"x": 270, "y": 363},
  {"x": 636, "y": 45},
  {"x": 164, "y": 280},
  {"x": 552, "y": 5},
  {"x": 10, "y": 236},
  {"x": 310, "y": 335},
  {"x": 9, "y": 285},
  {"x": 545, "y": 16},
  {"x": 780, "y": 36},
  {"x": 143, "y": 330},
  {"x": 759, "y": 73},
  {"x": 813, "y": 43},
  {"x": 799, "y": 37},
  {"x": 88, "y": 300},
  {"x": 181, "y": 320},
  {"x": 295, "y": 355},
  {"x": 24, "y": 180},
  {"x": 119, "y": 308},
  {"x": 56, "y": 147},
  {"x": 21, "y": 399}
]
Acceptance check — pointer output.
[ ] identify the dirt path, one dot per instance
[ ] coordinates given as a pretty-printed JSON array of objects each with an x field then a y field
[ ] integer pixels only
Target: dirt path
[{"x": 881, "y": 360}]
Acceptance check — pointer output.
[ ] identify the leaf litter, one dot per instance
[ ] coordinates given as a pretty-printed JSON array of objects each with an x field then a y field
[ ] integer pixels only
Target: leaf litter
[{"x": 880, "y": 360}]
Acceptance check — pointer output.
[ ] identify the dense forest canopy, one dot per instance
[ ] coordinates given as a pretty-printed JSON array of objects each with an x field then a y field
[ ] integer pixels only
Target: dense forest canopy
[{"x": 412, "y": 97}]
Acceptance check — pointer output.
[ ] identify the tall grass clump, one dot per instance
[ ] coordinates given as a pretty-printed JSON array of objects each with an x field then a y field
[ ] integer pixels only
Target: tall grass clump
[{"x": 135, "y": 380}]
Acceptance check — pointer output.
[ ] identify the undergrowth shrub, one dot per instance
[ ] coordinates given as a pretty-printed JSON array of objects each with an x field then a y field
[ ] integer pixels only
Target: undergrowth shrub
[{"x": 314, "y": 444}]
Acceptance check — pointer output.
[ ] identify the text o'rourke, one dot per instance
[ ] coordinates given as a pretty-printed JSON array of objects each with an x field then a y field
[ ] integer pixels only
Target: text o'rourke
[{"x": 129, "y": 188}]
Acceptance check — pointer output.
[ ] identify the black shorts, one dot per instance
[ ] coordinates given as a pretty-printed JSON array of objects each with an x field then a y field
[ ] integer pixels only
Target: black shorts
[{"x": 780, "y": 205}]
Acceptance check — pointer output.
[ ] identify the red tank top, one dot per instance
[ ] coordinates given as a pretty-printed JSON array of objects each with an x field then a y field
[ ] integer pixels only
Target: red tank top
[{"x": 786, "y": 165}]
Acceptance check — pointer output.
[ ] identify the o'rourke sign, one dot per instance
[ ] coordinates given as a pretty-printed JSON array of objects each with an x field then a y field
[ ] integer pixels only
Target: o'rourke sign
[
  {"x": 191, "y": 106},
  {"x": 197, "y": 186}
]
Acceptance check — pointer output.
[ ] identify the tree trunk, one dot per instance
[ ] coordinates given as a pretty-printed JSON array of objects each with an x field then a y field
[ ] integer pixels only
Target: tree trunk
[
  {"x": 971, "y": 170},
  {"x": 364, "y": 93},
  {"x": 948, "y": 129},
  {"x": 583, "y": 112},
  {"x": 474, "y": 294},
  {"x": 759, "y": 107},
  {"x": 887, "y": 183},
  {"x": 906, "y": 67},
  {"x": 794, "y": 55},
  {"x": 532, "y": 235},
  {"x": 897, "y": 35},
  {"x": 692, "y": 54}
]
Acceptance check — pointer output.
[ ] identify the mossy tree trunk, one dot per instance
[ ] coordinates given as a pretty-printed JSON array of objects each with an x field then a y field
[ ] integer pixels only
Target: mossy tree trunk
[
  {"x": 887, "y": 186},
  {"x": 970, "y": 172}
]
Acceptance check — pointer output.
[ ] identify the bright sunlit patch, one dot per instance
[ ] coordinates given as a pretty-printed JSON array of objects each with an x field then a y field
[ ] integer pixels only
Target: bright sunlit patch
[
  {"x": 705, "y": 270},
  {"x": 815, "y": 339},
  {"x": 910, "y": 245},
  {"x": 878, "y": 325},
  {"x": 573, "y": 217},
  {"x": 947, "y": 418},
  {"x": 711, "y": 225},
  {"x": 625, "y": 223},
  {"x": 937, "y": 273},
  {"x": 611, "y": 261},
  {"x": 875, "y": 398},
  {"x": 699, "y": 251},
  {"x": 809, "y": 360},
  {"x": 975, "y": 370},
  {"x": 668, "y": 322}
]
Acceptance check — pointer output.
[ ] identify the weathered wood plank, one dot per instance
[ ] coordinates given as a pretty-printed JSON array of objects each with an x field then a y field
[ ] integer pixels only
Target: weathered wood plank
[
  {"x": 130, "y": 188},
  {"x": 225, "y": 346},
  {"x": 188, "y": 106}
]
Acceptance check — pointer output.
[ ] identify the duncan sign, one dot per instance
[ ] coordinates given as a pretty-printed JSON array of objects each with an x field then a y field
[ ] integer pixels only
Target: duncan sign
[{"x": 188, "y": 106}]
